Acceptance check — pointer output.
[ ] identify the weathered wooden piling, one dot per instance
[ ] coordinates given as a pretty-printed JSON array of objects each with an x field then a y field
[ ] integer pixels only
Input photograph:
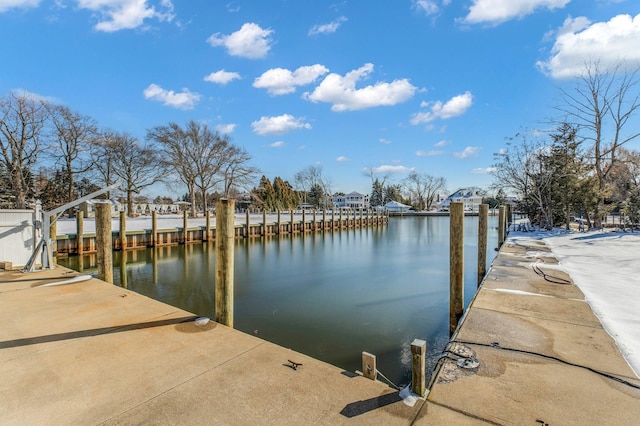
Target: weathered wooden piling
[
  {"x": 154, "y": 229},
  {"x": 483, "y": 228},
  {"x": 207, "y": 226},
  {"x": 104, "y": 244},
  {"x": 53, "y": 231},
  {"x": 185, "y": 231},
  {"x": 369, "y": 368},
  {"x": 279, "y": 223},
  {"x": 418, "y": 372},
  {"x": 456, "y": 264},
  {"x": 247, "y": 224},
  {"x": 502, "y": 225},
  {"x": 225, "y": 234},
  {"x": 80, "y": 232},
  {"x": 264, "y": 223},
  {"x": 122, "y": 235}
]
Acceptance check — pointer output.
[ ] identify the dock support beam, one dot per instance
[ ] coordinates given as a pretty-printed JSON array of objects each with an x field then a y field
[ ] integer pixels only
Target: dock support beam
[
  {"x": 456, "y": 264},
  {"x": 502, "y": 225},
  {"x": 80, "y": 232},
  {"x": 483, "y": 226},
  {"x": 154, "y": 228},
  {"x": 418, "y": 373},
  {"x": 185, "y": 232},
  {"x": 104, "y": 244},
  {"x": 122, "y": 235},
  {"x": 225, "y": 234},
  {"x": 369, "y": 368}
]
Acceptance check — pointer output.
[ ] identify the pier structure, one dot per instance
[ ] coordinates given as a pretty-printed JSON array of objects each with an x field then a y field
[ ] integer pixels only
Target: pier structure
[{"x": 246, "y": 226}]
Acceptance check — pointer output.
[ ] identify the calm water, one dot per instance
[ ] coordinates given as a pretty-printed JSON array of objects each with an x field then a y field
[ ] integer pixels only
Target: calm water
[{"x": 328, "y": 295}]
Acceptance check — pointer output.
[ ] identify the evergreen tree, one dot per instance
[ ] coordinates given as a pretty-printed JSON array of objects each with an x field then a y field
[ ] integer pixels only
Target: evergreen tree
[
  {"x": 316, "y": 196},
  {"x": 377, "y": 194},
  {"x": 393, "y": 193}
]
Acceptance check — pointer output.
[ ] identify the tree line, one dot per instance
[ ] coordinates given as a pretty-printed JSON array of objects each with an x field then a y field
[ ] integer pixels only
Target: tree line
[
  {"x": 582, "y": 167},
  {"x": 55, "y": 154}
]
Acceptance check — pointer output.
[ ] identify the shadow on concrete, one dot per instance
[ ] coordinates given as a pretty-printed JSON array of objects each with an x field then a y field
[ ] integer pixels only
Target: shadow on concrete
[
  {"x": 93, "y": 332},
  {"x": 357, "y": 408}
]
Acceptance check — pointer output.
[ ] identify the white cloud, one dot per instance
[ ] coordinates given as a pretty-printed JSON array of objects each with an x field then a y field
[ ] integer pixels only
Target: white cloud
[
  {"x": 454, "y": 107},
  {"x": 341, "y": 159},
  {"x": 9, "y": 4},
  {"x": 329, "y": 28},
  {"x": 232, "y": 7},
  {"x": 498, "y": 11},
  {"x": 222, "y": 77},
  {"x": 431, "y": 153},
  {"x": 442, "y": 143},
  {"x": 430, "y": 7},
  {"x": 389, "y": 169},
  {"x": 182, "y": 100},
  {"x": 277, "y": 144},
  {"x": 470, "y": 151},
  {"x": 281, "y": 81},
  {"x": 342, "y": 93},
  {"x": 579, "y": 42},
  {"x": 278, "y": 125},
  {"x": 115, "y": 15},
  {"x": 483, "y": 171},
  {"x": 250, "y": 41},
  {"x": 225, "y": 128},
  {"x": 384, "y": 141}
]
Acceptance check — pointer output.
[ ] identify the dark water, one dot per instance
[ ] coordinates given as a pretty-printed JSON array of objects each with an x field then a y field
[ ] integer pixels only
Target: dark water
[{"x": 327, "y": 295}]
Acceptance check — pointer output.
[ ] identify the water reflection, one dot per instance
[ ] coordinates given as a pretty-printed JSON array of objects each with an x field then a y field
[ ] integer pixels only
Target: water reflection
[{"x": 328, "y": 295}]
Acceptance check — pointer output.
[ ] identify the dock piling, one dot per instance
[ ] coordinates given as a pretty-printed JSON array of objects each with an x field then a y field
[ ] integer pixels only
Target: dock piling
[
  {"x": 369, "y": 368},
  {"x": 80, "y": 232},
  {"x": 483, "y": 225},
  {"x": 122, "y": 234},
  {"x": 418, "y": 374},
  {"x": 456, "y": 264},
  {"x": 104, "y": 242},
  {"x": 225, "y": 234}
]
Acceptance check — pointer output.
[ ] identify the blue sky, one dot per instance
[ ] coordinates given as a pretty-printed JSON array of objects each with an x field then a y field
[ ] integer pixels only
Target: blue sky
[{"x": 433, "y": 86}]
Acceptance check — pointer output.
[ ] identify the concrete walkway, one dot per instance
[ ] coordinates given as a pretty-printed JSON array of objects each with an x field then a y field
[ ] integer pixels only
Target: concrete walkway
[
  {"x": 93, "y": 353},
  {"x": 543, "y": 358},
  {"x": 529, "y": 351}
]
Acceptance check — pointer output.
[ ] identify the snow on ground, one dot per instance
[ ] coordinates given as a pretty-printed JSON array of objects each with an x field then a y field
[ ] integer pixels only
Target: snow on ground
[{"x": 606, "y": 268}]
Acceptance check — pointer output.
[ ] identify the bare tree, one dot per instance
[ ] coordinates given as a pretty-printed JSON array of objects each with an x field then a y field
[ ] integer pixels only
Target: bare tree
[
  {"x": 22, "y": 119},
  {"x": 522, "y": 168},
  {"x": 72, "y": 135},
  {"x": 311, "y": 176},
  {"x": 120, "y": 156},
  {"x": 600, "y": 107},
  {"x": 176, "y": 155},
  {"x": 423, "y": 189},
  {"x": 236, "y": 170}
]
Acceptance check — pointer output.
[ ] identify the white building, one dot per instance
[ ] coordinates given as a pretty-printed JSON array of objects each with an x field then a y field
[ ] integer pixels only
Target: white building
[
  {"x": 353, "y": 200},
  {"x": 470, "y": 197}
]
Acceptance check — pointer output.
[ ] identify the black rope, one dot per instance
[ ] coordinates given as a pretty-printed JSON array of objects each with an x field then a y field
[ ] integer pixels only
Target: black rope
[
  {"x": 547, "y": 277},
  {"x": 496, "y": 345}
]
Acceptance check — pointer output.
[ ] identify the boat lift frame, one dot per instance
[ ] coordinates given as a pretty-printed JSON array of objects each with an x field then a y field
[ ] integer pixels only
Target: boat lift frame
[{"x": 44, "y": 246}]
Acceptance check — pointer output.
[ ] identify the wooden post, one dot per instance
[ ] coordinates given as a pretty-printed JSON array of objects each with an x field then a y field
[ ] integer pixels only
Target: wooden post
[
  {"x": 53, "y": 231},
  {"x": 122, "y": 235},
  {"x": 483, "y": 226},
  {"x": 456, "y": 264},
  {"x": 80, "y": 233},
  {"x": 369, "y": 365},
  {"x": 324, "y": 219},
  {"x": 225, "y": 232},
  {"x": 264, "y": 223},
  {"x": 104, "y": 244},
  {"x": 123, "y": 269},
  {"x": 314, "y": 220},
  {"x": 418, "y": 376},
  {"x": 303, "y": 220},
  {"x": 279, "y": 222},
  {"x": 333, "y": 218},
  {"x": 207, "y": 226},
  {"x": 291, "y": 226},
  {"x": 340, "y": 226},
  {"x": 184, "y": 227},
  {"x": 248, "y": 220},
  {"x": 154, "y": 228},
  {"x": 502, "y": 218}
]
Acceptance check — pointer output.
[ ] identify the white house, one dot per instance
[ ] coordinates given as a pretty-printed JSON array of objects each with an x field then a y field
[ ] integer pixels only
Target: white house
[
  {"x": 353, "y": 200},
  {"x": 470, "y": 197}
]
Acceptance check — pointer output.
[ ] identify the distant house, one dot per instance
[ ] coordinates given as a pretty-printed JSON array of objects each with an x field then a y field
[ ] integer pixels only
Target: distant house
[
  {"x": 353, "y": 200},
  {"x": 471, "y": 198}
]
